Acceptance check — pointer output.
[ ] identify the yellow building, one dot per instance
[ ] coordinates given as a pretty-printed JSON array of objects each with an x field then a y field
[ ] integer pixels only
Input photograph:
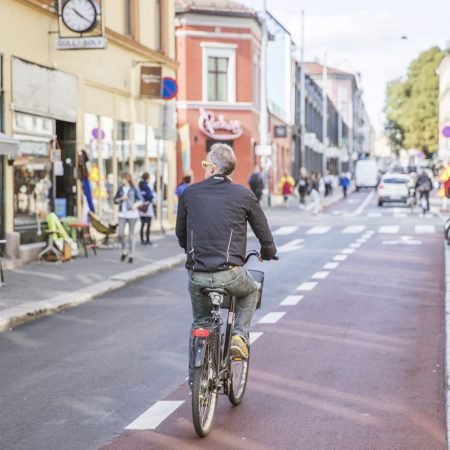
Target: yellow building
[{"x": 90, "y": 99}]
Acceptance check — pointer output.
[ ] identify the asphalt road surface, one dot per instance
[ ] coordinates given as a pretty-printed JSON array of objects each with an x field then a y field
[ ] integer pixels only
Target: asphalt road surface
[{"x": 347, "y": 352}]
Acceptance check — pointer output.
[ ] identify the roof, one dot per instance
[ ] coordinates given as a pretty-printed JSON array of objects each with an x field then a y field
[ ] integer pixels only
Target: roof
[
  {"x": 315, "y": 68},
  {"x": 219, "y": 7}
]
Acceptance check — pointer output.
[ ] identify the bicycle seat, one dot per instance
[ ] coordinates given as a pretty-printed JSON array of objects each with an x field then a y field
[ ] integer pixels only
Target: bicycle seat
[{"x": 219, "y": 291}]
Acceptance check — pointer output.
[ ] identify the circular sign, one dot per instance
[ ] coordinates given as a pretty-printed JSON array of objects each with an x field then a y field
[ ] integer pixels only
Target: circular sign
[
  {"x": 94, "y": 133},
  {"x": 446, "y": 132},
  {"x": 169, "y": 88}
]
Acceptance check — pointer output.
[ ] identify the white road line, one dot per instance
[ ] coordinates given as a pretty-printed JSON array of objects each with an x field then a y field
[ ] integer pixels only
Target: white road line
[
  {"x": 318, "y": 230},
  {"x": 331, "y": 265},
  {"x": 389, "y": 229},
  {"x": 425, "y": 229},
  {"x": 362, "y": 240},
  {"x": 364, "y": 204},
  {"x": 255, "y": 335},
  {"x": 291, "y": 246},
  {"x": 340, "y": 257},
  {"x": 399, "y": 215},
  {"x": 291, "y": 300},
  {"x": 372, "y": 214},
  {"x": 354, "y": 229},
  {"x": 348, "y": 251},
  {"x": 355, "y": 245},
  {"x": 320, "y": 275},
  {"x": 308, "y": 286},
  {"x": 151, "y": 418},
  {"x": 283, "y": 231},
  {"x": 272, "y": 317}
]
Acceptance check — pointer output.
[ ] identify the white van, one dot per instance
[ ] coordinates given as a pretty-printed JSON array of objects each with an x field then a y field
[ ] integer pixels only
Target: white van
[{"x": 366, "y": 173}]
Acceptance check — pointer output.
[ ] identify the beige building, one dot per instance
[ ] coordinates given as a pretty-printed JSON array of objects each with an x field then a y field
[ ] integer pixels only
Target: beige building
[
  {"x": 90, "y": 99},
  {"x": 444, "y": 107}
]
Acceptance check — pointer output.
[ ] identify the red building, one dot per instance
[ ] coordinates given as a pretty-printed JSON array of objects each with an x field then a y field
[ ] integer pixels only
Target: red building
[{"x": 218, "y": 49}]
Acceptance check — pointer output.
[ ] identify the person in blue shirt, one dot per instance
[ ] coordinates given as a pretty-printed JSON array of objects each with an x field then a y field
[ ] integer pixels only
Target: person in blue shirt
[
  {"x": 344, "y": 182},
  {"x": 183, "y": 185},
  {"x": 146, "y": 211}
]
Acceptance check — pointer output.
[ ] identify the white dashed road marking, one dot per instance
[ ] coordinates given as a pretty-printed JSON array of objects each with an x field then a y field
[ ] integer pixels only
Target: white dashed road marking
[
  {"x": 389, "y": 229},
  {"x": 320, "y": 275},
  {"x": 355, "y": 245},
  {"x": 354, "y": 229},
  {"x": 340, "y": 257},
  {"x": 283, "y": 231},
  {"x": 151, "y": 418},
  {"x": 272, "y": 317},
  {"x": 255, "y": 335},
  {"x": 425, "y": 229},
  {"x": 291, "y": 300},
  {"x": 348, "y": 251},
  {"x": 331, "y": 265},
  {"x": 318, "y": 230},
  {"x": 308, "y": 286}
]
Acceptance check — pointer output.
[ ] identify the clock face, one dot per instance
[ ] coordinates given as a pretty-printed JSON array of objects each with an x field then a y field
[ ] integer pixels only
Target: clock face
[{"x": 79, "y": 15}]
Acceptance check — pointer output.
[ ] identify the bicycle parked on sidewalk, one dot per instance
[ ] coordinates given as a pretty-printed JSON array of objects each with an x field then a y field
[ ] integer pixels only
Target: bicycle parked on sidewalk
[{"x": 214, "y": 369}]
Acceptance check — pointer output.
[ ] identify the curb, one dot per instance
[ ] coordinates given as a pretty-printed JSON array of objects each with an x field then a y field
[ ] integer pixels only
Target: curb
[
  {"x": 18, "y": 315},
  {"x": 447, "y": 339}
]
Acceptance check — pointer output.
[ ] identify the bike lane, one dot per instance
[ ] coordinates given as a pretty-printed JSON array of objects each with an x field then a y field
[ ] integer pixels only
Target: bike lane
[{"x": 356, "y": 363}]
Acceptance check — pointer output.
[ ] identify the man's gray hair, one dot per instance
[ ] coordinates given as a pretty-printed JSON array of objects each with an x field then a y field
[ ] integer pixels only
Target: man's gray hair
[{"x": 223, "y": 157}]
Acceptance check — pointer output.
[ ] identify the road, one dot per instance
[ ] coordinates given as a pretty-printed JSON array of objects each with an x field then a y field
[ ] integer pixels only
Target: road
[{"x": 353, "y": 360}]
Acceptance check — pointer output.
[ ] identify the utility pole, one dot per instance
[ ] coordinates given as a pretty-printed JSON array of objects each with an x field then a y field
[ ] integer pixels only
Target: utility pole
[
  {"x": 302, "y": 95},
  {"x": 324, "y": 114}
]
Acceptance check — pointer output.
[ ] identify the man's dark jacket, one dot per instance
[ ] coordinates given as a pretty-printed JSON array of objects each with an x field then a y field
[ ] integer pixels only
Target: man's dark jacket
[{"x": 212, "y": 224}]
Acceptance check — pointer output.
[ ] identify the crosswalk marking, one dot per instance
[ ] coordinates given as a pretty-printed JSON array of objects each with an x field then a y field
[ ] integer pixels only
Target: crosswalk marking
[
  {"x": 308, "y": 286},
  {"x": 331, "y": 265},
  {"x": 319, "y": 230},
  {"x": 348, "y": 251},
  {"x": 272, "y": 317},
  {"x": 291, "y": 246},
  {"x": 291, "y": 300},
  {"x": 425, "y": 229},
  {"x": 374, "y": 214},
  {"x": 254, "y": 335},
  {"x": 283, "y": 231},
  {"x": 399, "y": 215},
  {"x": 320, "y": 275},
  {"x": 354, "y": 229},
  {"x": 340, "y": 257},
  {"x": 389, "y": 229},
  {"x": 151, "y": 418}
]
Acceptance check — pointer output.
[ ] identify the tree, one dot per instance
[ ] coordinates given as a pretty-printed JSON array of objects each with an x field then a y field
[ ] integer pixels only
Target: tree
[{"x": 412, "y": 105}]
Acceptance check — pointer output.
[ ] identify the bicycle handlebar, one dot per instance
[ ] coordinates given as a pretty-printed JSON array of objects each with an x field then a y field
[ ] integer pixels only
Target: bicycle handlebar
[{"x": 256, "y": 253}]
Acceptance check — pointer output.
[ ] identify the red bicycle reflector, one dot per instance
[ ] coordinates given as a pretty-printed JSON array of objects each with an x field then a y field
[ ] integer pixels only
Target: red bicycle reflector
[{"x": 200, "y": 332}]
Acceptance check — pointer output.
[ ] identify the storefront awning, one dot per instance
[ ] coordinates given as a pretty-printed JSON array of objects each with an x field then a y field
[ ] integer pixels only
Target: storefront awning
[{"x": 8, "y": 145}]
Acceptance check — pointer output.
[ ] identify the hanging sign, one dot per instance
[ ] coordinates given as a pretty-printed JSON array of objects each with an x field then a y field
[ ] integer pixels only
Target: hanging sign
[
  {"x": 150, "y": 82},
  {"x": 218, "y": 128}
]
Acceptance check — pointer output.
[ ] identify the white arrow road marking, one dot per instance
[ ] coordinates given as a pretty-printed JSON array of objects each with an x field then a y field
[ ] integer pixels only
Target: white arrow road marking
[
  {"x": 404, "y": 240},
  {"x": 308, "y": 286},
  {"x": 340, "y": 257},
  {"x": 272, "y": 317},
  {"x": 255, "y": 335},
  {"x": 291, "y": 246},
  {"x": 425, "y": 229},
  {"x": 348, "y": 251},
  {"x": 354, "y": 229},
  {"x": 291, "y": 300},
  {"x": 318, "y": 230},
  {"x": 331, "y": 265},
  {"x": 151, "y": 418},
  {"x": 320, "y": 275},
  {"x": 283, "y": 231},
  {"x": 389, "y": 229}
]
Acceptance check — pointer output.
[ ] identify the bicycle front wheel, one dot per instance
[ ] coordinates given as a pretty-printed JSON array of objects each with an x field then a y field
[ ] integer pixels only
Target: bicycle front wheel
[
  {"x": 238, "y": 379},
  {"x": 204, "y": 394}
]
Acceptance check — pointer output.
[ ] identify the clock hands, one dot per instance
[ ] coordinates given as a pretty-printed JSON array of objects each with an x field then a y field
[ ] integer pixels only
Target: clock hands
[{"x": 80, "y": 15}]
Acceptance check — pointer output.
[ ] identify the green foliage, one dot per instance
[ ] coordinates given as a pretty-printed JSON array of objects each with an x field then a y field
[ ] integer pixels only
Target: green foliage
[{"x": 412, "y": 105}]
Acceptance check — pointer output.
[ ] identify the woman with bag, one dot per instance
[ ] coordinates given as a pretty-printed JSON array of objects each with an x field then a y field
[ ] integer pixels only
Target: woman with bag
[
  {"x": 146, "y": 211},
  {"x": 129, "y": 198}
]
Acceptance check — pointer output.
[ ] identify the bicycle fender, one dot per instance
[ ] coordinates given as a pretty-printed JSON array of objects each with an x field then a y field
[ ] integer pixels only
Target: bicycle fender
[{"x": 199, "y": 351}]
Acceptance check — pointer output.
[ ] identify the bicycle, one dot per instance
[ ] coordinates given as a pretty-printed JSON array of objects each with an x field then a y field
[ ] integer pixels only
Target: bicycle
[{"x": 214, "y": 369}]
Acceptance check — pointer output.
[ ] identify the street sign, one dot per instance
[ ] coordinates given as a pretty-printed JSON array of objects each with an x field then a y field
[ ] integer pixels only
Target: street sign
[
  {"x": 83, "y": 43},
  {"x": 169, "y": 88},
  {"x": 446, "y": 132},
  {"x": 263, "y": 150},
  {"x": 150, "y": 82}
]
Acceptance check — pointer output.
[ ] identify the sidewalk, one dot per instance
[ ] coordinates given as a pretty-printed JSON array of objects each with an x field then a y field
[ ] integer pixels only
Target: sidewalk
[{"x": 39, "y": 289}]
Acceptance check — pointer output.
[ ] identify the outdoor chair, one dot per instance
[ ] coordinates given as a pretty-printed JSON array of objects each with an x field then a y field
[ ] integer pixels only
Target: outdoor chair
[{"x": 102, "y": 227}]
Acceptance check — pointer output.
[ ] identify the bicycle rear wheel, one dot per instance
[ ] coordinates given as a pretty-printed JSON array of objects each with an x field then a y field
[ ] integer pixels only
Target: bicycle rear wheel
[
  {"x": 204, "y": 394},
  {"x": 238, "y": 379}
]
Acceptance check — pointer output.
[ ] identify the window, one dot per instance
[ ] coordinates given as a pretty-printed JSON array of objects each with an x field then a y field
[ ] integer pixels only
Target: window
[
  {"x": 158, "y": 26},
  {"x": 217, "y": 79},
  {"x": 130, "y": 17},
  {"x": 219, "y": 72}
]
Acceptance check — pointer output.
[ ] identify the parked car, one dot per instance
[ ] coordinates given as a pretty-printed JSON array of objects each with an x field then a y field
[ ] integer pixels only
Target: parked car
[
  {"x": 393, "y": 187},
  {"x": 366, "y": 173}
]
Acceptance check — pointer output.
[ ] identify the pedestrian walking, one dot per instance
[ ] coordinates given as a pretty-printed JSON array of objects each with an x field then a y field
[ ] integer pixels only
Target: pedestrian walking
[
  {"x": 328, "y": 185},
  {"x": 315, "y": 193},
  {"x": 185, "y": 182},
  {"x": 146, "y": 211},
  {"x": 286, "y": 186},
  {"x": 302, "y": 187},
  {"x": 129, "y": 198},
  {"x": 256, "y": 183},
  {"x": 424, "y": 185},
  {"x": 344, "y": 182}
]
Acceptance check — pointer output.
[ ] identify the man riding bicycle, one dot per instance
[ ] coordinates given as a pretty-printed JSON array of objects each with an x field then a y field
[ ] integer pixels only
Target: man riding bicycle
[{"x": 212, "y": 228}]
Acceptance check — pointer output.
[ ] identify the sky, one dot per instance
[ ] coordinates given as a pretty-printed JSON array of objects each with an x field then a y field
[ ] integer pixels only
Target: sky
[{"x": 366, "y": 36}]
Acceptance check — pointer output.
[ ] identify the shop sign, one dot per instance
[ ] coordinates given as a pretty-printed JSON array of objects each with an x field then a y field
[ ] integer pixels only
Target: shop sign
[
  {"x": 35, "y": 148},
  {"x": 218, "y": 128},
  {"x": 280, "y": 131},
  {"x": 150, "y": 86},
  {"x": 81, "y": 43}
]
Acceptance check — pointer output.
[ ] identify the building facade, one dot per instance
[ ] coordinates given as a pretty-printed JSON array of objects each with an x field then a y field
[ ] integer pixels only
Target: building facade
[
  {"x": 444, "y": 107},
  {"x": 88, "y": 99},
  {"x": 218, "y": 51}
]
